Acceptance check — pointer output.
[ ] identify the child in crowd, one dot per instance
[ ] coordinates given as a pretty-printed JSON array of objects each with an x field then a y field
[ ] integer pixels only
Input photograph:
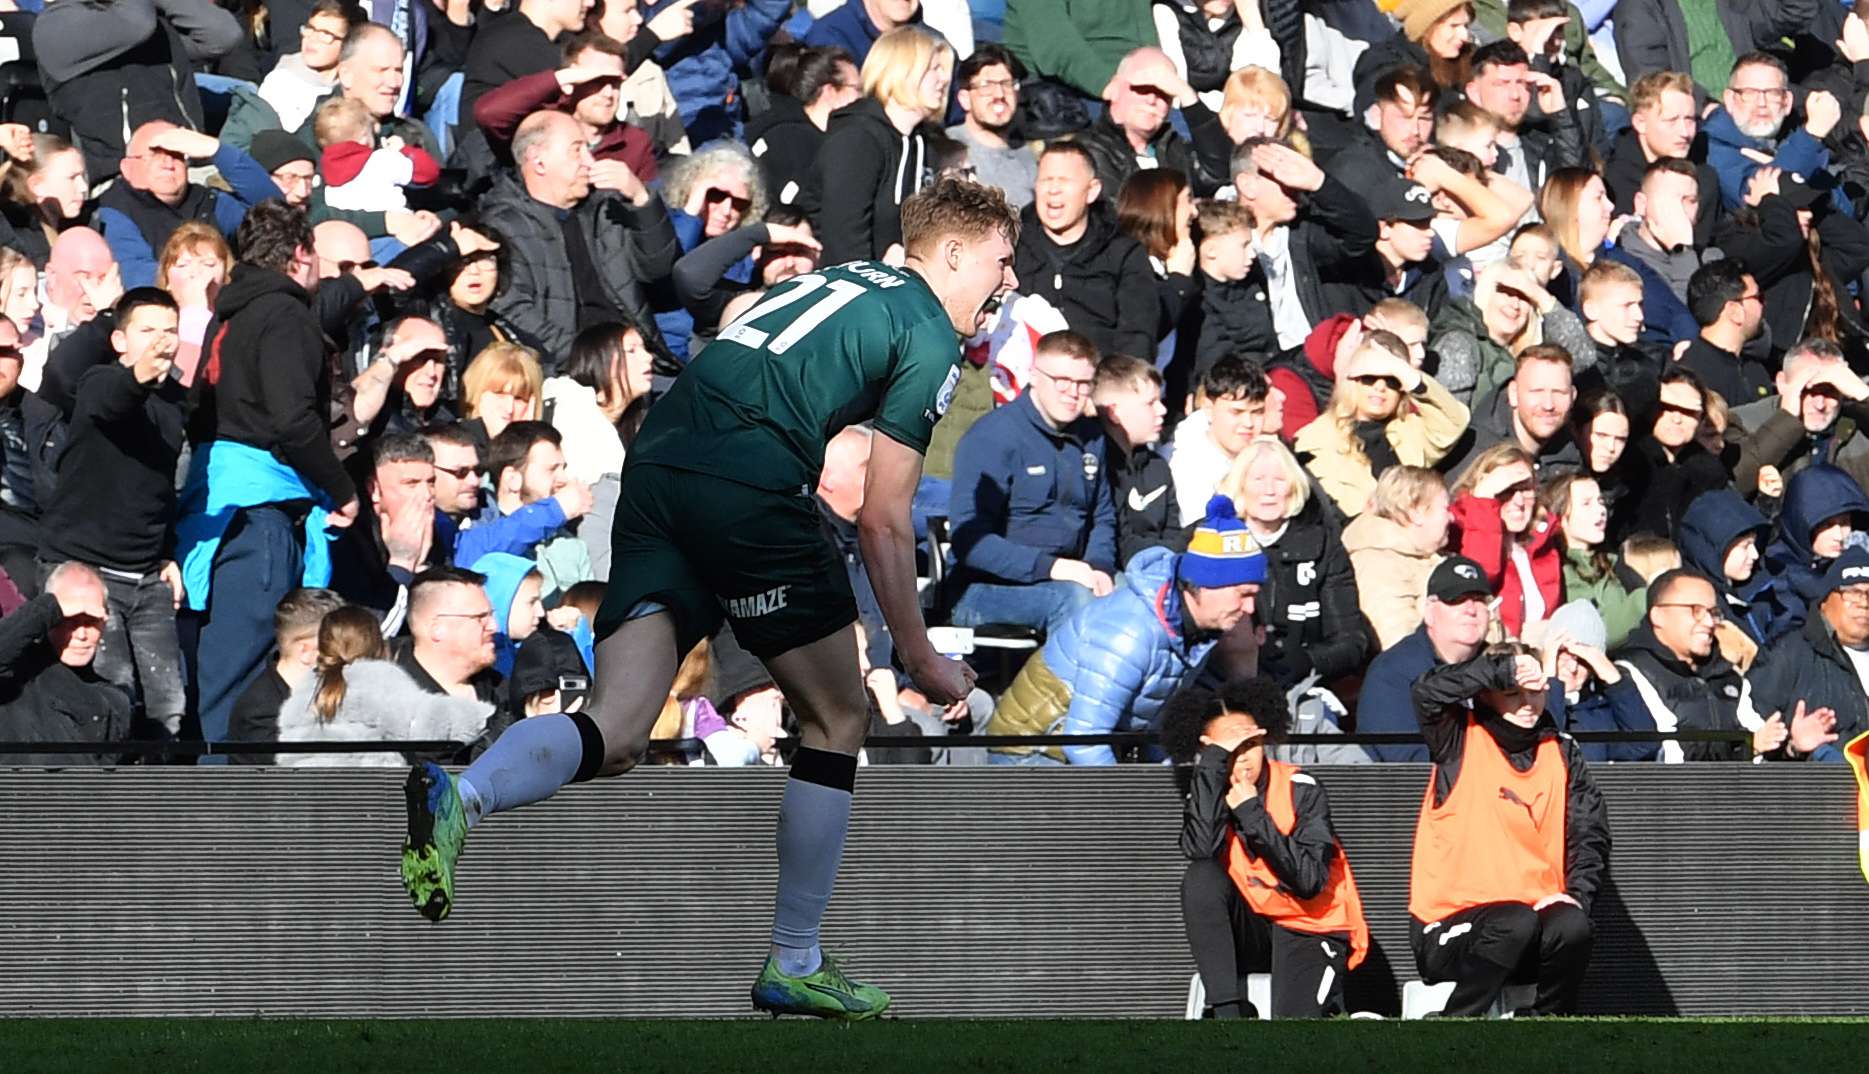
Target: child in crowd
[
  {"x": 295, "y": 630},
  {"x": 358, "y": 176}
]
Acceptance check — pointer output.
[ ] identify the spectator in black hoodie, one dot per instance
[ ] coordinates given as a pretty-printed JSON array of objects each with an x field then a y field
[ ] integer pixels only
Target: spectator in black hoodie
[
  {"x": 1128, "y": 398},
  {"x": 873, "y": 158},
  {"x": 787, "y": 136},
  {"x": 267, "y": 417},
  {"x": 110, "y": 67},
  {"x": 116, "y": 503},
  {"x": 1072, "y": 254},
  {"x": 520, "y": 42}
]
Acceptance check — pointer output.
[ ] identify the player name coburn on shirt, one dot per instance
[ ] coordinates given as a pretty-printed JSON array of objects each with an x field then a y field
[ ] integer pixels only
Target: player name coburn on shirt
[{"x": 758, "y": 604}]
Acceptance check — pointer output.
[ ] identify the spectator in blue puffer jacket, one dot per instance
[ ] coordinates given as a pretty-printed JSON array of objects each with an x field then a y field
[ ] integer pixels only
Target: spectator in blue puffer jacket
[
  {"x": 704, "y": 68},
  {"x": 1033, "y": 517},
  {"x": 1114, "y": 664}
]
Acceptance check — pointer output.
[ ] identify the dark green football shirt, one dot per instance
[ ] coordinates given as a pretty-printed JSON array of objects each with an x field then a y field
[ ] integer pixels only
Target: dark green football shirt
[{"x": 856, "y": 342}]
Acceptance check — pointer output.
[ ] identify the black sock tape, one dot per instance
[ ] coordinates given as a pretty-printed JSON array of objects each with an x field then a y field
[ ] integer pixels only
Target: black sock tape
[
  {"x": 593, "y": 741},
  {"x": 825, "y": 768}
]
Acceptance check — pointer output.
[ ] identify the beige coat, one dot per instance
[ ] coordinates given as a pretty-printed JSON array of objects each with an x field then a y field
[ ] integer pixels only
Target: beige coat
[
  {"x": 1389, "y": 579},
  {"x": 1420, "y": 436}
]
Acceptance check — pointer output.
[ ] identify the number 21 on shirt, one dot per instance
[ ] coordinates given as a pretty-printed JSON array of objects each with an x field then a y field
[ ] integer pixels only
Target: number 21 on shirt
[{"x": 831, "y": 296}]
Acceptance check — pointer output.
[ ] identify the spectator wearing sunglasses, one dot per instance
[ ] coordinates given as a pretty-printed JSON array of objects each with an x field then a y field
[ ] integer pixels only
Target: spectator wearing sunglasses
[
  {"x": 48, "y": 689},
  {"x": 1384, "y": 412},
  {"x": 1496, "y": 525},
  {"x": 711, "y": 193}
]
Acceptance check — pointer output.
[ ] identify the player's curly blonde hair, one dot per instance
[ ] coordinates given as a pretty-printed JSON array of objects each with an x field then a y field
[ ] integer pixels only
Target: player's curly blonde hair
[{"x": 955, "y": 206}]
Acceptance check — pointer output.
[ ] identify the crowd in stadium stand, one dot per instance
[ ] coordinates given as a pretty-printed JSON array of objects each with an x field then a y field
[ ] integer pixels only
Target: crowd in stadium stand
[{"x": 327, "y": 329}]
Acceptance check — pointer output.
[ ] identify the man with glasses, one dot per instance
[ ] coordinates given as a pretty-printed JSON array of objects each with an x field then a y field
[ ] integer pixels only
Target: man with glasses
[
  {"x": 1687, "y": 684},
  {"x": 1727, "y": 304},
  {"x": 988, "y": 82},
  {"x": 300, "y": 78},
  {"x": 451, "y": 631},
  {"x": 1822, "y": 671},
  {"x": 462, "y": 503},
  {"x": 1744, "y": 133},
  {"x": 1032, "y": 516}
]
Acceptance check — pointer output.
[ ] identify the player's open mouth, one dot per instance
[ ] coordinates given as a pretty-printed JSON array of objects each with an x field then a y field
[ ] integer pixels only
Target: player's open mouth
[{"x": 988, "y": 309}]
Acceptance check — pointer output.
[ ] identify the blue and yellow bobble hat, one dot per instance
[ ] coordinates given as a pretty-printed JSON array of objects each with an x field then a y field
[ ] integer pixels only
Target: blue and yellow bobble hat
[{"x": 1222, "y": 552}]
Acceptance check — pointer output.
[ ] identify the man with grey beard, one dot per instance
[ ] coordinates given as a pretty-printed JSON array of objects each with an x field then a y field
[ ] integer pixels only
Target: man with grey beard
[{"x": 1746, "y": 133}]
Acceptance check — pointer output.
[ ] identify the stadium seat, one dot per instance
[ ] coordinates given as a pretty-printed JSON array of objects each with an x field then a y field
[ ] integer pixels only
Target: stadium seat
[
  {"x": 1420, "y": 999},
  {"x": 1258, "y": 993}
]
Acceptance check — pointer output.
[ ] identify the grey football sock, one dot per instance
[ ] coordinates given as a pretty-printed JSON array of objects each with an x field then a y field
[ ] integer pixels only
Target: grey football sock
[{"x": 813, "y": 819}]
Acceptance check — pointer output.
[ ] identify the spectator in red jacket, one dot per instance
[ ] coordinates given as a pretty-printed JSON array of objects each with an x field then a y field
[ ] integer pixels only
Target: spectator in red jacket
[
  {"x": 586, "y": 87},
  {"x": 1495, "y": 518},
  {"x": 1307, "y": 379}
]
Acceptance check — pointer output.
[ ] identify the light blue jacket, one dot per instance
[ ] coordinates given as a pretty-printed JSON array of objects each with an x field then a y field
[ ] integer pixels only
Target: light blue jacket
[
  {"x": 224, "y": 478},
  {"x": 1123, "y": 655}
]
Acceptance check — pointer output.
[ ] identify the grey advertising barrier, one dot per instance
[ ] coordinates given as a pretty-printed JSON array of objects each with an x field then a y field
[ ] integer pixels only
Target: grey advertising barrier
[{"x": 967, "y": 892}]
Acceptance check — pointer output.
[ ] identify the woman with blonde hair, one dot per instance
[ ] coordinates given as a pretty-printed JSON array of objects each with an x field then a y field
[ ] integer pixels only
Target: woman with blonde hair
[
  {"x": 873, "y": 158},
  {"x": 1480, "y": 339},
  {"x": 1577, "y": 206},
  {"x": 502, "y": 385},
  {"x": 1383, "y": 412},
  {"x": 1307, "y": 603},
  {"x": 1497, "y": 525},
  {"x": 193, "y": 266},
  {"x": 359, "y": 695},
  {"x": 1395, "y": 545}
]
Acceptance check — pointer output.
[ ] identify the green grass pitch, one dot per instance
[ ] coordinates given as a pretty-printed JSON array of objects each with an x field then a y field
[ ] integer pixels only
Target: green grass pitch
[{"x": 514, "y": 1046}]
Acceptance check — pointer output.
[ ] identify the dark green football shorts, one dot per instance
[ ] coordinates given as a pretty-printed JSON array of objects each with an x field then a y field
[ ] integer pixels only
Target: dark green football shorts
[{"x": 702, "y": 548}]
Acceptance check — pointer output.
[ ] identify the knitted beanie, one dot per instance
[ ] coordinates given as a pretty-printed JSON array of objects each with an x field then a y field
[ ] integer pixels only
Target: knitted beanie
[
  {"x": 1416, "y": 16},
  {"x": 1222, "y": 552}
]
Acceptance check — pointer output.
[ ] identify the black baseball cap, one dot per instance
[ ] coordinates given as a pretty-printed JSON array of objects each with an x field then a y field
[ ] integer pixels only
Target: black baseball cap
[
  {"x": 1458, "y": 578},
  {"x": 1401, "y": 199},
  {"x": 1800, "y": 193},
  {"x": 548, "y": 660}
]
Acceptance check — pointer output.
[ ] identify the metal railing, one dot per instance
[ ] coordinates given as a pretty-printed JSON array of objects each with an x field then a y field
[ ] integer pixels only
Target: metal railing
[{"x": 1118, "y": 740}]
